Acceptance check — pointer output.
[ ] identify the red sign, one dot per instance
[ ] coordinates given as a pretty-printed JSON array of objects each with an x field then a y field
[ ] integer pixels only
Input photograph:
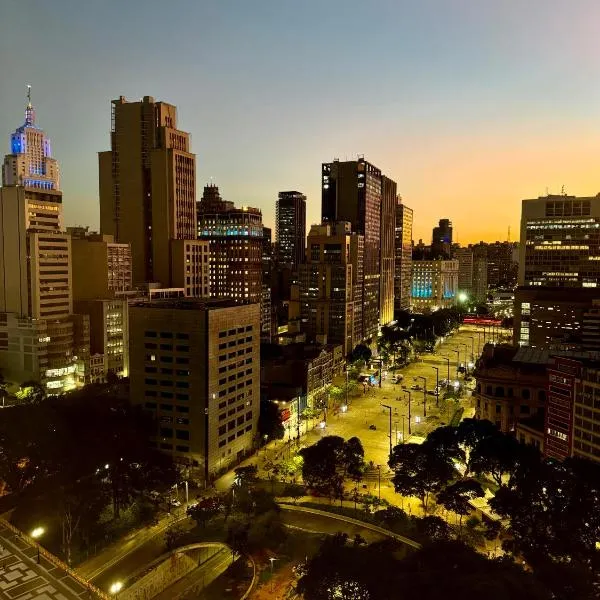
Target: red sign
[{"x": 285, "y": 415}]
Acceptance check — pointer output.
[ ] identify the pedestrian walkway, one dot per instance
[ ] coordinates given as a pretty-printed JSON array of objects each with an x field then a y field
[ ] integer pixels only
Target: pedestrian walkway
[{"x": 22, "y": 577}]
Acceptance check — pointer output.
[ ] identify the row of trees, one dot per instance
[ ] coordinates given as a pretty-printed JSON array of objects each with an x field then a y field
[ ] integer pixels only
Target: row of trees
[
  {"x": 449, "y": 569},
  {"x": 86, "y": 455},
  {"x": 550, "y": 508}
]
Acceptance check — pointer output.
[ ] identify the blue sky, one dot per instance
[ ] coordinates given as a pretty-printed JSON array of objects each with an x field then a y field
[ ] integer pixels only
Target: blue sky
[{"x": 470, "y": 105}]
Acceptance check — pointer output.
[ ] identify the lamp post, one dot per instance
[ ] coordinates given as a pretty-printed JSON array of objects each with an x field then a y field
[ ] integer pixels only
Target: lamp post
[
  {"x": 272, "y": 560},
  {"x": 390, "y": 413},
  {"x": 466, "y": 352},
  {"x": 437, "y": 384},
  {"x": 379, "y": 478},
  {"x": 409, "y": 401},
  {"x": 424, "y": 394},
  {"x": 472, "y": 347},
  {"x": 347, "y": 385},
  {"x": 447, "y": 364},
  {"x": 457, "y": 360},
  {"x": 37, "y": 533}
]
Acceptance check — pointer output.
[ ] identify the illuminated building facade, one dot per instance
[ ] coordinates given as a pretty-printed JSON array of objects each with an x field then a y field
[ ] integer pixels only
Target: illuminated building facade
[
  {"x": 235, "y": 238},
  {"x": 351, "y": 191},
  {"x": 403, "y": 258},
  {"x": 148, "y": 189},
  {"x": 290, "y": 231},
  {"x": 464, "y": 256},
  {"x": 37, "y": 325},
  {"x": 330, "y": 286},
  {"x": 387, "y": 250},
  {"x": 195, "y": 368},
  {"x": 559, "y": 269},
  {"x": 434, "y": 284}
]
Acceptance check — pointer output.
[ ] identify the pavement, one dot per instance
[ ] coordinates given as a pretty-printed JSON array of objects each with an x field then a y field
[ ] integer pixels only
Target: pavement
[{"x": 23, "y": 578}]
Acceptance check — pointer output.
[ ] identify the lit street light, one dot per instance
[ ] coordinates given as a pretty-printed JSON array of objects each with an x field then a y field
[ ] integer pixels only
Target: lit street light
[
  {"x": 37, "y": 533},
  {"x": 390, "y": 411},
  {"x": 409, "y": 400},
  {"x": 437, "y": 384},
  {"x": 424, "y": 394},
  {"x": 272, "y": 560},
  {"x": 447, "y": 364},
  {"x": 116, "y": 587}
]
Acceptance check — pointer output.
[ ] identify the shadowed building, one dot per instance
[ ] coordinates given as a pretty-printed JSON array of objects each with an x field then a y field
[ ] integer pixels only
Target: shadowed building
[{"x": 290, "y": 232}]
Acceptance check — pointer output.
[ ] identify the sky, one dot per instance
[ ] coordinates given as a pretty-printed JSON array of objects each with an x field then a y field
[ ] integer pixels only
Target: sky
[{"x": 469, "y": 105}]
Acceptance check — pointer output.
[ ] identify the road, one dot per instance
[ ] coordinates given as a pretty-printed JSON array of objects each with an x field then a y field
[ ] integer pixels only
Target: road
[{"x": 22, "y": 578}]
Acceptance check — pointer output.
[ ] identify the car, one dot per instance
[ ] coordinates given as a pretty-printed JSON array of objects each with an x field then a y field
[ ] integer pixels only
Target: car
[
  {"x": 415, "y": 386},
  {"x": 433, "y": 392},
  {"x": 175, "y": 502},
  {"x": 372, "y": 427}
]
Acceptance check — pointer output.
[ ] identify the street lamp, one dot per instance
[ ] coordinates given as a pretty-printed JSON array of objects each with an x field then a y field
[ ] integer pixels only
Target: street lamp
[
  {"x": 447, "y": 364},
  {"x": 424, "y": 394},
  {"x": 457, "y": 360},
  {"x": 272, "y": 560},
  {"x": 437, "y": 384},
  {"x": 409, "y": 401},
  {"x": 37, "y": 533},
  {"x": 472, "y": 347},
  {"x": 116, "y": 587},
  {"x": 390, "y": 411},
  {"x": 466, "y": 350}
]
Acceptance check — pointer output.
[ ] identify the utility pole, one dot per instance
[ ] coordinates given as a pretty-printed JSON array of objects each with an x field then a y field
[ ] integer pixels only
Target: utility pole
[
  {"x": 390, "y": 413},
  {"x": 447, "y": 364}
]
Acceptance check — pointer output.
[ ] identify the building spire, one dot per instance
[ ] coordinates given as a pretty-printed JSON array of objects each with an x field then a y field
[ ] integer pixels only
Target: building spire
[{"x": 29, "y": 112}]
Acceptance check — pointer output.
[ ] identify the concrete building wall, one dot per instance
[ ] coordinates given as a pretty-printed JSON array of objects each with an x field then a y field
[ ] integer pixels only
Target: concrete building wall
[
  {"x": 403, "y": 258},
  {"x": 387, "y": 250}
]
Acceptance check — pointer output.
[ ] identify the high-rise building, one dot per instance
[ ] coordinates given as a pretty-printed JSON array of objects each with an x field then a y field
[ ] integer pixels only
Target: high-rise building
[
  {"x": 560, "y": 242},
  {"x": 479, "y": 288},
  {"x": 387, "y": 250},
  {"x": 195, "y": 368},
  {"x": 101, "y": 288},
  {"x": 235, "y": 238},
  {"x": 503, "y": 265},
  {"x": 441, "y": 240},
  {"x": 290, "y": 230},
  {"x": 403, "y": 259},
  {"x": 148, "y": 189},
  {"x": 559, "y": 269},
  {"x": 37, "y": 324},
  {"x": 351, "y": 192},
  {"x": 464, "y": 256},
  {"x": 434, "y": 284},
  {"x": 330, "y": 285}
]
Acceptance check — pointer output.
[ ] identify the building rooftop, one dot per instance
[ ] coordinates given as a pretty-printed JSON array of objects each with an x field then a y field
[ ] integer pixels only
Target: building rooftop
[{"x": 186, "y": 303}]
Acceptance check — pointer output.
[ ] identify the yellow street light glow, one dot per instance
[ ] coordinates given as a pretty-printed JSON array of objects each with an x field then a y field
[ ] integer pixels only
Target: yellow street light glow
[
  {"x": 116, "y": 587},
  {"x": 37, "y": 532}
]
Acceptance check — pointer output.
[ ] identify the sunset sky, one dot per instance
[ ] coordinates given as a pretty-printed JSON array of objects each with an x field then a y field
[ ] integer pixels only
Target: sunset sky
[{"x": 470, "y": 105}]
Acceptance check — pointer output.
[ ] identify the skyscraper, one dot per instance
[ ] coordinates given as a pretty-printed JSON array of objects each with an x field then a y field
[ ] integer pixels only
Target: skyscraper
[
  {"x": 464, "y": 256},
  {"x": 36, "y": 325},
  {"x": 559, "y": 269},
  {"x": 403, "y": 259},
  {"x": 351, "y": 191},
  {"x": 235, "y": 238},
  {"x": 330, "y": 285},
  {"x": 148, "y": 190},
  {"x": 290, "y": 231},
  {"x": 387, "y": 249},
  {"x": 441, "y": 240}
]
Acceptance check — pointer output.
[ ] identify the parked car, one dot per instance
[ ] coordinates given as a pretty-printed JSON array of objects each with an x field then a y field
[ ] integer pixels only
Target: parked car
[
  {"x": 175, "y": 502},
  {"x": 372, "y": 427},
  {"x": 415, "y": 386}
]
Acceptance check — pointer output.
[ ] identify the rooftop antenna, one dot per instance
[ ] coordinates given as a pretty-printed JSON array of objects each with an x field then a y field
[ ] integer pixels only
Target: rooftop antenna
[
  {"x": 29, "y": 95},
  {"x": 547, "y": 191},
  {"x": 508, "y": 239},
  {"x": 562, "y": 191}
]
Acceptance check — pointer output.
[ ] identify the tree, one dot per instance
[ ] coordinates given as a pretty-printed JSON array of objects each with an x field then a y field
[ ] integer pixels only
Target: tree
[
  {"x": 246, "y": 476},
  {"x": 434, "y": 528},
  {"x": 294, "y": 491},
  {"x": 33, "y": 391},
  {"x": 497, "y": 455},
  {"x": 173, "y": 536},
  {"x": 471, "y": 432},
  {"x": 362, "y": 353},
  {"x": 237, "y": 537},
  {"x": 269, "y": 421},
  {"x": 456, "y": 497},
  {"x": 205, "y": 510},
  {"x": 321, "y": 461},
  {"x": 266, "y": 531},
  {"x": 419, "y": 471},
  {"x": 353, "y": 458}
]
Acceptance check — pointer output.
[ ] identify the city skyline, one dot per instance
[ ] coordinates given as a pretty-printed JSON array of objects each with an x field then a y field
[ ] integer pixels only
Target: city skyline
[{"x": 477, "y": 103}]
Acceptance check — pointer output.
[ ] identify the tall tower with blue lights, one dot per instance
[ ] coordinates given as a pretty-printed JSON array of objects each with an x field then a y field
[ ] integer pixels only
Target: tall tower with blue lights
[{"x": 30, "y": 163}]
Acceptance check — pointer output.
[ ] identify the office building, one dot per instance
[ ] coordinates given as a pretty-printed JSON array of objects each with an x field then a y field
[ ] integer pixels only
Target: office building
[
  {"x": 195, "y": 368},
  {"x": 434, "y": 284},
  {"x": 590, "y": 331},
  {"x": 290, "y": 230},
  {"x": 330, "y": 286},
  {"x": 479, "y": 288},
  {"x": 235, "y": 238},
  {"x": 35, "y": 265},
  {"x": 148, "y": 190},
  {"x": 511, "y": 385},
  {"x": 403, "y": 256},
  {"x": 464, "y": 256},
  {"x": 441, "y": 240},
  {"x": 502, "y": 265},
  {"x": 387, "y": 250},
  {"x": 102, "y": 287},
  {"x": 351, "y": 191},
  {"x": 559, "y": 269}
]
